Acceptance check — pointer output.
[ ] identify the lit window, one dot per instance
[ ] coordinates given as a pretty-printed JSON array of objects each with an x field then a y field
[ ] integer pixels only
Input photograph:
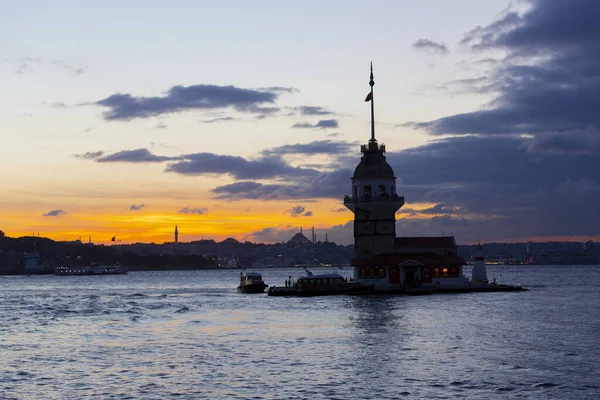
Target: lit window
[{"x": 445, "y": 271}]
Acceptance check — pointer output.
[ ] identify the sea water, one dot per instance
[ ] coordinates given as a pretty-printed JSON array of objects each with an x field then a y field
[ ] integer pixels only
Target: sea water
[{"x": 190, "y": 335}]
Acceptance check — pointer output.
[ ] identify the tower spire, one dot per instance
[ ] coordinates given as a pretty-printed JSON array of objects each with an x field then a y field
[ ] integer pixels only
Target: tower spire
[{"x": 372, "y": 83}]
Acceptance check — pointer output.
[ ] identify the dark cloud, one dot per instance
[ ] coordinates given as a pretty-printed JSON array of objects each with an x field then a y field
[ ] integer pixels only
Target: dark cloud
[
  {"x": 190, "y": 210},
  {"x": 332, "y": 184},
  {"x": 279, "y": 89},
  {"x": 313, "y": 110},
  {"x": 430, "y": 46},
  {"x": 266, "y": 167},
  {"x": 315, "y": 147},
  {"x": 307, "y": 214},
  {"x": 134, "y": 156},
  {"x": 136, "y": 207},
  {"x": 550, "y": 78},
  {"x": 295, "y": 211},
  {"x": 340, "y": 209},
  {"x": 90, "y": 155},
  {"x": 498, "y": 187},
  {"x": 584, "y": 142},
  {"x": 440, "y": 209},
  {"x": 183, "y": 98},
  {"x": 220, "y": 119},
  {"x": 322, "y": 124},
  {"x": 54, "y": 213}
]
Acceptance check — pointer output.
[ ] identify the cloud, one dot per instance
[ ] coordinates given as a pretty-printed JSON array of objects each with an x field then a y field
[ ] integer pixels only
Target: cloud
[
  {"x": 136, "y": 207},
  {"x": 265, "y": 167},
  {"x": 73, "y": 69},
  {"x": 274, "y": 234},
  {"x": 322, "y": 124},
  {"x": 340, "y": 209},
  {"x": 161, "y": 125},
  {"x": 24, "y": 68},
  {"x": 331, "y": 184},
  {"x": 221, "y": 119},
  {"x": 279, "y": 89},
  {"x": 440, "y": 209},
  {"x": 189, "y": 210},
  {"x": 548, "y": 80},
  {"x": 312, "y": 110},
  {"x": 90, "y": 155},
  {"x": 185, "y": 98},
  {"x": 133, "y": 156},
  {"x": 315, "y": 147},
  {"x": 58, "y": 105},
  {"x": 297, "y": 211},
  {"x": 430, "y": 46},
  {"x": 498, "y": 187},
  {"x": 54, "y": 213},
  {"x": 584, "y": 142}
]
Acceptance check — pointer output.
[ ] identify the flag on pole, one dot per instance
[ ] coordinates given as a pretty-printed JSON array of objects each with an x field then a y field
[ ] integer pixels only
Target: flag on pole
[
  {"x": 113, "y": 239},
  {"x": 369, "y": 96}
]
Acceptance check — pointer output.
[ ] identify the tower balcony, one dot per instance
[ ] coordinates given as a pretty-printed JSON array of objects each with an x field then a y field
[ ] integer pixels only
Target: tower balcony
[{"x": 396, "y": 199}]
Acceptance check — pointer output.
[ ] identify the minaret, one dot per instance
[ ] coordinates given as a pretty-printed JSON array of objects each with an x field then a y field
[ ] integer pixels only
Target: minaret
[
  {"x": 176, "y": 235},
  {"x": 374, "y": 200}
]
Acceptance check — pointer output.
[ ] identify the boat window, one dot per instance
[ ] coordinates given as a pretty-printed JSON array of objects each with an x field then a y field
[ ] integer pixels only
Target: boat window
[
  {"x": 382, "y": 272},
  {"x": 445, "y": 271},
  {"x": 454, "y": 271},
  {"x": 436, "y": 272}
]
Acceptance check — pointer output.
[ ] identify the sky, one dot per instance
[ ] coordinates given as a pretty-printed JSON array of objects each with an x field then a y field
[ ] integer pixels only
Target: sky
[{"x": 245, "y": 119}]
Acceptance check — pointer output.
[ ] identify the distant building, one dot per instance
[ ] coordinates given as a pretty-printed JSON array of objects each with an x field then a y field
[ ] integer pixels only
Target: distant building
[{"x": 176, "y": 235}]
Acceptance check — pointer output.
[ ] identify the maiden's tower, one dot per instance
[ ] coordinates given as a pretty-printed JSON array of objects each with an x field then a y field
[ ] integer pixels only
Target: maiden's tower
[{"x": 390, "y": 263}]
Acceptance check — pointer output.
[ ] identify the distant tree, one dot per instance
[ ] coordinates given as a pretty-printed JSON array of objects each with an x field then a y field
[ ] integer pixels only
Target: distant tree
[{"x": 2, "y": 234}]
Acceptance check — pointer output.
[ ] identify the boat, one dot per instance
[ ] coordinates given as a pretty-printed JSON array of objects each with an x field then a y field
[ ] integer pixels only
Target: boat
[
  {"x": 251, "y": 282},
  {"x": 320, "y": 285},
  {"x": 92, "y": 269}
]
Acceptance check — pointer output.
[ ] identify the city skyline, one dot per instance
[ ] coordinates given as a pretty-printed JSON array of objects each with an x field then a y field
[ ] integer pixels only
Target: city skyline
[{"x": 126, "y": 120}]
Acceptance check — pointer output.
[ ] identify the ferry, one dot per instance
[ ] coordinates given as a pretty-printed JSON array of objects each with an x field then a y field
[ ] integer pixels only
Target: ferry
[
  {"x": 320, "y": 285},
  {"x": 251, "y": 282},
  {"x": 92, "y": 269}
]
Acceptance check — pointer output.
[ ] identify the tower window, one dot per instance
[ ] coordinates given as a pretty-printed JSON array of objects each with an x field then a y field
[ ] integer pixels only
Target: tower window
[
  {"x": 382, "y": 191},
  {"x": 367, "y": 192},
  {"x": 355, "y": 192}
]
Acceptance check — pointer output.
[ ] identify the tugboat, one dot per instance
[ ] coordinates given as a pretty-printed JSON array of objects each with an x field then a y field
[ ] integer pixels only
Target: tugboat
[
  {"x": 251, "y": 282},
  {"x": 320, "y": 285}
]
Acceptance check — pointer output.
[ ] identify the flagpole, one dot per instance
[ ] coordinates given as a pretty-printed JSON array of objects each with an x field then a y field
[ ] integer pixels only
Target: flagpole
[{"x": 372, "y": 83}]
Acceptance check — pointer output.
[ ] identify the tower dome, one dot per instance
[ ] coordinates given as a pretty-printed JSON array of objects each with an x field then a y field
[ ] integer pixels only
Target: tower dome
[{"x": 373, "y": 164}]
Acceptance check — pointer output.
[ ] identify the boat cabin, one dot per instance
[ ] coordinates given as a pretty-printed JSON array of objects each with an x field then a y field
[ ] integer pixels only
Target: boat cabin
[
  {"x": 322, "y": 280},
  {"x": 250, "y": 277}
]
